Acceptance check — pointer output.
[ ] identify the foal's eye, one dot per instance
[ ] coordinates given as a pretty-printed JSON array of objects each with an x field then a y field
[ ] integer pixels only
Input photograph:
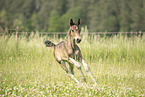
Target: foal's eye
[{"x": 72, "y": 30}]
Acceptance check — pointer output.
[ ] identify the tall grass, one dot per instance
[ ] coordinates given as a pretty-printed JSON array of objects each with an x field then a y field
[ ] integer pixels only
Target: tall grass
[{"x": 28, "y": 68}]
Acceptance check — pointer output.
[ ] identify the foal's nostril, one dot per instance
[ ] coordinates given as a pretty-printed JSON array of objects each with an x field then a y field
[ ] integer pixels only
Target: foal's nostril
[{"x": 78, "y": 40}]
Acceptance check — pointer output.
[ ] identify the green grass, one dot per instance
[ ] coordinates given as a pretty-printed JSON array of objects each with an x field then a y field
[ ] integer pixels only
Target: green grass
[{"x": 28, "y": 68}]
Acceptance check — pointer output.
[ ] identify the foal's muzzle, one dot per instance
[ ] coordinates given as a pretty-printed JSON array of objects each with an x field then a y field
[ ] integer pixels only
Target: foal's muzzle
[{"x": 78, "y": 40}]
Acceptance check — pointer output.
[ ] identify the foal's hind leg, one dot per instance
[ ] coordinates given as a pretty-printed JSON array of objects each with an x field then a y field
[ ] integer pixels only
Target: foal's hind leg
[
  {"x": 63, "y": 65},
  {"x": 88, "y": 70},
  {"x": 71, "y": 67}
]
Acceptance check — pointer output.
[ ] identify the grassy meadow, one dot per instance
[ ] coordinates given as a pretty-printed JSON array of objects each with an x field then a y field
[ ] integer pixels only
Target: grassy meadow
[{"x": 28, "y": 68}]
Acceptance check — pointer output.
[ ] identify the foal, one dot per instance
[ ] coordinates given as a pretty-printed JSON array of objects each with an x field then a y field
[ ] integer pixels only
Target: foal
[{"x": 68, "y": 51}]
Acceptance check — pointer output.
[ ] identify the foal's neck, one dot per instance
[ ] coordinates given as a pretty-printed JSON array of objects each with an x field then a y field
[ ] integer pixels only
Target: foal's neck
[{"x": 70, "y": 41}]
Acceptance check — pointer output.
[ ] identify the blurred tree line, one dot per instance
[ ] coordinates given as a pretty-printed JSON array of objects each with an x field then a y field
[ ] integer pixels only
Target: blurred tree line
[{"x": 54, "y": 15}]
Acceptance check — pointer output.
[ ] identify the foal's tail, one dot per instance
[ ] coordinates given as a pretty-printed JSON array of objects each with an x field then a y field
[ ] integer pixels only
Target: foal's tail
[{"x": 49, "y": 44}]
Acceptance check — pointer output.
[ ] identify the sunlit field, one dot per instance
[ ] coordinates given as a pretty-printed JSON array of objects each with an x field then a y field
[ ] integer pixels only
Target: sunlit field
[{"x": 28, "y": 68}]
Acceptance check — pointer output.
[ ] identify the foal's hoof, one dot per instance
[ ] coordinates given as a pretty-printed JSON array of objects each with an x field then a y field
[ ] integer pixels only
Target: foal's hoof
[
  {"x": 84, "y": 80},
  {"x": 95, "y": 84}
]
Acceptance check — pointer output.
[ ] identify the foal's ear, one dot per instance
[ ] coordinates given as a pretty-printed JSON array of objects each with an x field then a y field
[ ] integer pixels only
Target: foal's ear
[
  {"x": 79, "y": 22},
  {"x": 71, "y": 22}
]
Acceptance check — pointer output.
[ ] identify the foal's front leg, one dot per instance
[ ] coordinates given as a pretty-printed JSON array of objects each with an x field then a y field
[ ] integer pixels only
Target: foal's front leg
[
  {"x": 88, "y": 70},
  {"x": 78, "y": 67},
  {"x": 63, "y": 65}
]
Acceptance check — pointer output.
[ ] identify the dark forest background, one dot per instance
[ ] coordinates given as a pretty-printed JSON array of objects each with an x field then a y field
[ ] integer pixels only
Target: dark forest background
[{"x": 54, "y": 15}]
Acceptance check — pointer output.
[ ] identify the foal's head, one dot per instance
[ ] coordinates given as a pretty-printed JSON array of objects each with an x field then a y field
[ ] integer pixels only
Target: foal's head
[{"x": 74, "y": 30}]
